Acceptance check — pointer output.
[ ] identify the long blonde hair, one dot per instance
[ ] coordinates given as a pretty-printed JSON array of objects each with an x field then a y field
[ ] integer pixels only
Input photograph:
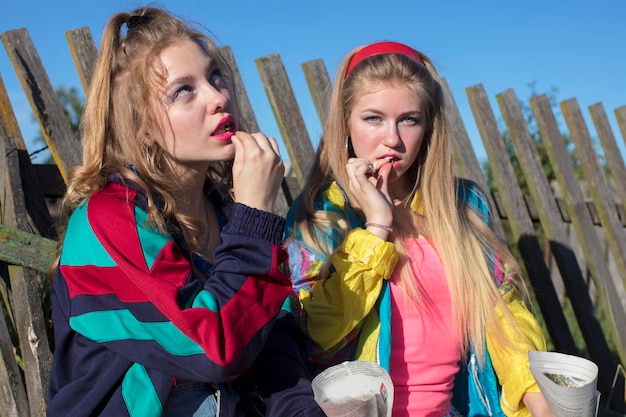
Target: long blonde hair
[
  {"x": 124, "y": 115},
  {"x": 467, "y": 247}
]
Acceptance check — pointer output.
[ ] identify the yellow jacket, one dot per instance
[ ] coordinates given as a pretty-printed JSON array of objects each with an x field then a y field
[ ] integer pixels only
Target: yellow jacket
[{"x": 344, "y": 313}]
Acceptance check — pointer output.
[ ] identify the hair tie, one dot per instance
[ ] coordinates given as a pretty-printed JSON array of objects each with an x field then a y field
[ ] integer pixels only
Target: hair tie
[{"x": 379, "y": 48}]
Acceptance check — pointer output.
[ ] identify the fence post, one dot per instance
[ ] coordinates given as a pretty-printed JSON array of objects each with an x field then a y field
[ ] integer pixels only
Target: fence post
[
  {"x": 287, "y": 113},
  {"x": 600, "y": 192},
  {"x": 320, "y": 86},
  {"x": 611, "y": 151},
  {"x": 12, "y": 391},
  {"x": 84, "y": 53},
  {"x": 620, "y": 115},
  {"x": 25, "y": 299},
  {"x": 465, "y": 158}
]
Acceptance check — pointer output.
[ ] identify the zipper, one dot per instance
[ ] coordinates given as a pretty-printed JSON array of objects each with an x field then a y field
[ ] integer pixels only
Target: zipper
[{"x": 377, "y": 353}]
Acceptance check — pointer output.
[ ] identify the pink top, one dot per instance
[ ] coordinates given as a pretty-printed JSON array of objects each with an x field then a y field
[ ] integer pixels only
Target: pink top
[{"x": 425, "y": 347}]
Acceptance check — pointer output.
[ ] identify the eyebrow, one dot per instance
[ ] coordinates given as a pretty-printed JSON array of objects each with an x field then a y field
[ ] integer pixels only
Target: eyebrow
[
  {"x": 188, "y": 78},
  {"x": 380, "y": 112}
]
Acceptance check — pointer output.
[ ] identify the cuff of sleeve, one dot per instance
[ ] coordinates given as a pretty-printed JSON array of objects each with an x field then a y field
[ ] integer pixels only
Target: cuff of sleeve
[
  {"x": 513, "y": 394},
  {"x": 511, "y": 364},
  {"x": 367, "y": 248},
  {"x": 255, "y": 223}
]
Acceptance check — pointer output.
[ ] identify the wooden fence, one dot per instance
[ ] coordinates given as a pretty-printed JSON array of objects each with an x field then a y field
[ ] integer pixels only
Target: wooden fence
[{"x": 571, "y": 243}]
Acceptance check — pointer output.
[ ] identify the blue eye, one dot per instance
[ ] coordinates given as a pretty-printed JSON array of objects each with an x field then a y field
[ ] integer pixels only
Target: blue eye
[
  {"x": 371, "y": 118},
  {"x": 411, "y": 120}
]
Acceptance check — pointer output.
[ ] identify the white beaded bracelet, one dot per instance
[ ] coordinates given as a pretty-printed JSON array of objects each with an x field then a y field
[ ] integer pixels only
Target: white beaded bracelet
[{"x": 380, "y": 226}]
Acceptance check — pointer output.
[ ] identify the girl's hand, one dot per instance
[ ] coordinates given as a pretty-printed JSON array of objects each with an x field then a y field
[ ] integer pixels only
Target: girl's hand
[
  {"x": 368, "y": 185},
  {"x": 258, "y": 170}
]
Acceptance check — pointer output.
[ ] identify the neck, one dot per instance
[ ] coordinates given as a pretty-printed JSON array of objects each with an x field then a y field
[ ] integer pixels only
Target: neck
[
  {"x": 190, "y": 195},
  {"x": 399, "y": 190}
]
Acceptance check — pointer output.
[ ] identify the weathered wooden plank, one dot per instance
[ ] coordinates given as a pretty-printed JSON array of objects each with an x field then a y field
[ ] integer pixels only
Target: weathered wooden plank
[
  {"x": 621, "y": 212},
  {"x": 8, "y": 121},
  {"x": 12, "y": 393},
  {"x": 84, "y": 53},
  {"x": 287, "y": 114},
  {"x": 249, "y": 123},
  {"x": 520, "y": 223},
  {"x": 35, "y": 204},
  {"x": 466, "y": 162},
  {"x": 579, "y": 211},
  {"x": 465, "y": 159},
  {"x": 320, "y": 86},
  {"x": 598, "y": 187},
  {"x": 26, "y": 249},
  {"x": 25, "y": 300},
  {"x": 46, "y": 106},
  {"x": 611, "y": 151},
  {"x": 247, "y": 116},
  {"x": 620, "y": 115},
  {"x": 565, "y": 257}
]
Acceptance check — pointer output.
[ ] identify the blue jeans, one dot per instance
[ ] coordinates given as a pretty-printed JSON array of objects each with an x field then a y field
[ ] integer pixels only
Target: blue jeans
[{"x": 198, "y": 399}]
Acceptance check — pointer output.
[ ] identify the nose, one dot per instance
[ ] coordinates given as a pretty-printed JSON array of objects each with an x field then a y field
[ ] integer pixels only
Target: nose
[
  {"x": 217, "y": 100},
  {"x": 392, "y": 136}
]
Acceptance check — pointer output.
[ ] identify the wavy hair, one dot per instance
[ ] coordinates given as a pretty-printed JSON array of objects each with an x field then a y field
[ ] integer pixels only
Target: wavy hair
[{"x": 125, "y": 115}]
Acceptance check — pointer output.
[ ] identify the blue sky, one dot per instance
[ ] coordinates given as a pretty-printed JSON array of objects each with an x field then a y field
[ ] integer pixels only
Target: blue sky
[{"x": 574, "y": 46}]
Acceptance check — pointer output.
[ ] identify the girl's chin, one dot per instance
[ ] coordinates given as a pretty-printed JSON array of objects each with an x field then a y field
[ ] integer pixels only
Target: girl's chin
[{"x": 224, "y": 152}]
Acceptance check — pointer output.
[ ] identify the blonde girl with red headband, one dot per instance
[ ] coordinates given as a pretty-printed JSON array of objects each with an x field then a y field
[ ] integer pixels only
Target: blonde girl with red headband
[{"x": 395, "y": 260}]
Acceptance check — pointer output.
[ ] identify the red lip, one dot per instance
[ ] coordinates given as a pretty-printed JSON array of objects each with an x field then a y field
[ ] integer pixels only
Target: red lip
[
  {"x": 225, "y": 129},
  {"x": 224, "y": 136}
]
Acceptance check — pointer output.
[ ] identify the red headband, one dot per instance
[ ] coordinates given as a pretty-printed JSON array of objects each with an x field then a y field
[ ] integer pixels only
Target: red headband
[{"x": 382, "y": 48}]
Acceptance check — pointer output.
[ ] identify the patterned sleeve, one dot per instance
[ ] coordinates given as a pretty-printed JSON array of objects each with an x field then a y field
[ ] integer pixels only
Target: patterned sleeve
[
  {"x": 131, "y": 290},
  {"x": 335, "y": 305}
]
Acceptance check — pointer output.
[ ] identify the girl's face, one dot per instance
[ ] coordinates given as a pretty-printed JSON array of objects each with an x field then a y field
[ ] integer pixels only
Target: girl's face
[
  {"x": 387, "y": 123},
  {"x": 199, "y": 107}
]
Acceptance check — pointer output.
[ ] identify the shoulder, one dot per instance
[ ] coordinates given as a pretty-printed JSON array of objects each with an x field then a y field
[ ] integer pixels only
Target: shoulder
[
  {"x": 111, "y": 204},
  {"x": 110, "y": 211},
  {"x": 112, "y": 221}
]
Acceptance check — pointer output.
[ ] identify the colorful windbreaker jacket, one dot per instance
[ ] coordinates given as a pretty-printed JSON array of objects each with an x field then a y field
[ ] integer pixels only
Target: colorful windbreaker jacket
[
  {"x": 347, "y": 314},
  {"x": 130, "y": 318}
]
